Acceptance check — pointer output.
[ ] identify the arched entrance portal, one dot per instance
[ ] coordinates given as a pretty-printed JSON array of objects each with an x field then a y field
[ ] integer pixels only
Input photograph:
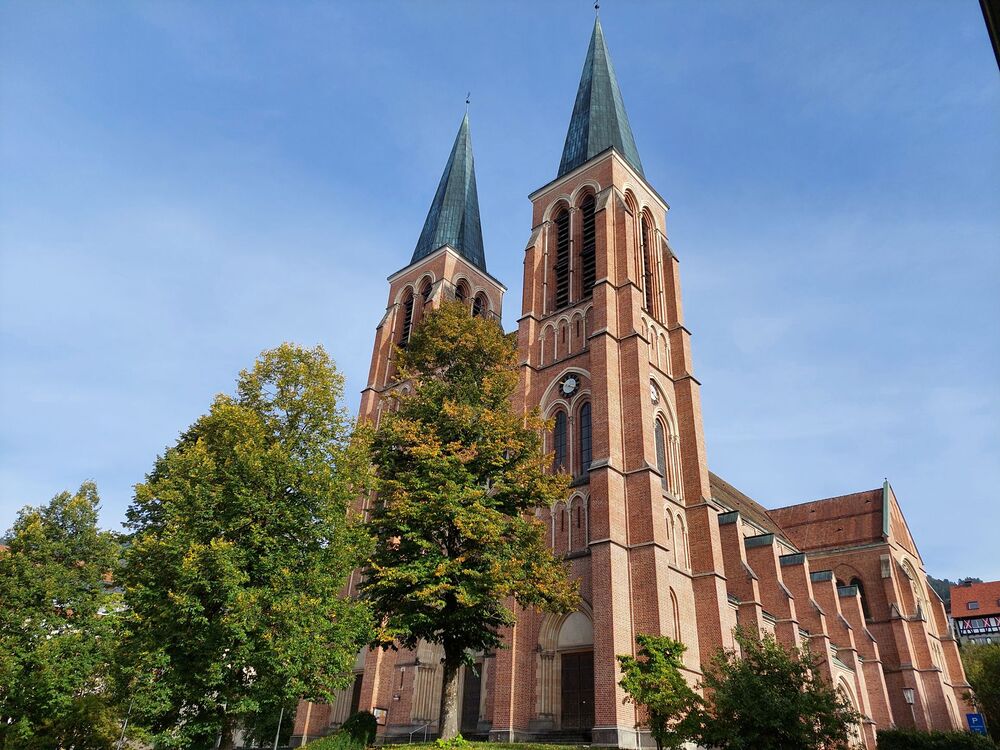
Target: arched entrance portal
[{"x": 566, "y": 674}]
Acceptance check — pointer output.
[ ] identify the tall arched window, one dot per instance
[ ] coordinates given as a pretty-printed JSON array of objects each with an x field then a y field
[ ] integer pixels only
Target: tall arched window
[
  {"x": 588, "y": 252},
  {"x": 404, "y": 329},
  {"x": 461, "y": 291},
  {"x": 562, "y": 259},
  {"x": 647, "y": 267},
  {"x": 559, "y": 442},
  {"x": 920, "y": 608},
  {"x": 864, "y": 599},
  {"x": 586, "y": 448},
  {"x": 681, "y": 542},
  {"x": 480, "y": 306},
  {"x": 661, "y": 451},
  {"x": 676, "y": 612},
  {"x": 425, "y": 291}
]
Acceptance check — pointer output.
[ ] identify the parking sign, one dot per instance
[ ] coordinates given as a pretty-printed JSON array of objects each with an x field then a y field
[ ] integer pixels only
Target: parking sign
[{"x": 977, "y": 724}]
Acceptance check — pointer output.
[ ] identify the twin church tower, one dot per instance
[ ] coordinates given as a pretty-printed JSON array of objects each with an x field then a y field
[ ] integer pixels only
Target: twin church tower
[{"x": 659, "y": 544}]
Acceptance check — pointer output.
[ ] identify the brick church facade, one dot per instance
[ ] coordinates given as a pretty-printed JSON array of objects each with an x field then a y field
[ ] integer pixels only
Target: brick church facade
[{"x": 659, "y": 543}]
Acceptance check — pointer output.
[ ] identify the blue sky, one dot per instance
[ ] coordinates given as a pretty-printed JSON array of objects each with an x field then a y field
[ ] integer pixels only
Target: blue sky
[{"x": 183, "y": 185}]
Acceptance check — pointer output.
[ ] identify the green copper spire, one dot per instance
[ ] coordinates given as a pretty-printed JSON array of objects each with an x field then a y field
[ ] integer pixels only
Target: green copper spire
[
  {"x": 599, "y": 120},
  {"x": 454, "y": 215}
]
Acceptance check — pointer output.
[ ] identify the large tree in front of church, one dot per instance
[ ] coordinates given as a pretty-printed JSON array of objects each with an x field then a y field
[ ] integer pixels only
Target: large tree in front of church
[
  {"x": 459, "y": 475},
  {"x": 240, "y": 550}
]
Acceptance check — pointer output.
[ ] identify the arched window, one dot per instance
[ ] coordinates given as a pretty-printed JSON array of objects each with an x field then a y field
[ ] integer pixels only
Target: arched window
[
  {"x": 404, "y": 329},
  {"x": 864, "y": 600},
  {"x": 559, "y": 442},
  {"x": 661, "y": 451},
  {"x": 586, "y": 450},
  {"x": 461, "y": 291},
  {"x": 681, "y": 542},
  {"x": 480, "y": 305},
  {"x": 676, "y": 612},
  {"x": 920, "y": 608},
  {"x": 425, "y": 291},
  {"x": 647, "y": 267},
  {"x": 562, "y": 259},
  {"x": 588, "y": 252}
]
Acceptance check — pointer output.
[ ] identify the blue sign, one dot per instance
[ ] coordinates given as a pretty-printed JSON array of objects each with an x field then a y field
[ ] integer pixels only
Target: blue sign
[{"x": 977, "y": 725}]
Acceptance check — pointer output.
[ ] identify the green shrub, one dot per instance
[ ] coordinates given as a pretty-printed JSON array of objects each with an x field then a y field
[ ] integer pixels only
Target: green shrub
[
  {"x": 458, "y": 742},
  {"x": 361, "y": 727},
  {"x": 908, "y": 739},
  {"x": 337, "y": 741},
  {"x": 357, "y": 733}
]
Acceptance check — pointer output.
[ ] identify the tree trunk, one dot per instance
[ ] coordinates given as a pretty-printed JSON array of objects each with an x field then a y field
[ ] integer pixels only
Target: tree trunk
[
  {"x": 448, "y": 721},
  {"x": 227, "y": 740}
]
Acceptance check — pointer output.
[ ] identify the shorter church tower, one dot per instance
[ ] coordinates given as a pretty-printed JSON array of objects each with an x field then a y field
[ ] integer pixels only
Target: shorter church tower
[{"x": 448, "y": 263}]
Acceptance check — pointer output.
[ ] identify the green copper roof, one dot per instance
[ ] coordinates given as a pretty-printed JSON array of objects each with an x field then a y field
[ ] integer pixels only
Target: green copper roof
[
  {"x": 454, "y": 215},
  {"x": 599, "y": 120}
]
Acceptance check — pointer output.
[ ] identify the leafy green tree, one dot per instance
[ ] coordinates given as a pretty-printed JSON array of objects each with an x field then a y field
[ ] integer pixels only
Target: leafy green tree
[
  {"x": 654, "y": 682},
  {"x": 982, "y": 669},
  {"x": 767, "y": 698},
  {"x": 460, "y": 473},
  {"x": 58, "y": 614},
  {"x": 241, "y": 548}
]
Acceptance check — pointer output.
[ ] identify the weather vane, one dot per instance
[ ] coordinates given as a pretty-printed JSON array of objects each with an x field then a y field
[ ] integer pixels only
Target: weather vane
[
  {"x": 597, "y": 7},
  {"x": 468, "y": 98}
]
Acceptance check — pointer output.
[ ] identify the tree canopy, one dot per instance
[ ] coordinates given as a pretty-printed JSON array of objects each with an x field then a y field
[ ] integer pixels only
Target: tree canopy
[
  {"x": 240, "y": 549},
  {"x": 58, "y": 612},
  {"x": 460, "y": 473},
  {"x": 769, "y": 698},
  {"x": 982, "y": 669}
]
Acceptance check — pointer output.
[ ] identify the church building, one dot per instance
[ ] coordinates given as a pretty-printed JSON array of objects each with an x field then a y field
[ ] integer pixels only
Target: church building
[{"x": 659, "y": 543}]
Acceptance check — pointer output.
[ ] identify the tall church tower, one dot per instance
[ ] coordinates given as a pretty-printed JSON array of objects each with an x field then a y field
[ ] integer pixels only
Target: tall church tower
[
  {"x": 448, "y": 263},
  {"x": 606, "y": 356}
]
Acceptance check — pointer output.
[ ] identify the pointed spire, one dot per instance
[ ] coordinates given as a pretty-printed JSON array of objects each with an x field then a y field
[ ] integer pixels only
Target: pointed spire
[
  {"x": 453, "y": 218},
  {"x": 599, "y": 120}
]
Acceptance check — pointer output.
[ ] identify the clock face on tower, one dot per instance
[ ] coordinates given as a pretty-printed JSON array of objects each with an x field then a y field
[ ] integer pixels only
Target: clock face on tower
[{"x": 570, "y": 384}]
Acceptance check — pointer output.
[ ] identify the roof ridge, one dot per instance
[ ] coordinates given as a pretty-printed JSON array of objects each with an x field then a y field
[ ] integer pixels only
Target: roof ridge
[
  {"x": 759, "y": 516},
  {"x": 824, "y": 499}
]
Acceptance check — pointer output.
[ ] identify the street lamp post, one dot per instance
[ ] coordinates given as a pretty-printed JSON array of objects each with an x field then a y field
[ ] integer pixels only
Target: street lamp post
[
  {"x": 278, "y": 733},
  {"x": 908, "y": 697}
]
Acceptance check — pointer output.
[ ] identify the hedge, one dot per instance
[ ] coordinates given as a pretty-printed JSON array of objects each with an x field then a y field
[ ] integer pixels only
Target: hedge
[{"x": 908, "y": 739}]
